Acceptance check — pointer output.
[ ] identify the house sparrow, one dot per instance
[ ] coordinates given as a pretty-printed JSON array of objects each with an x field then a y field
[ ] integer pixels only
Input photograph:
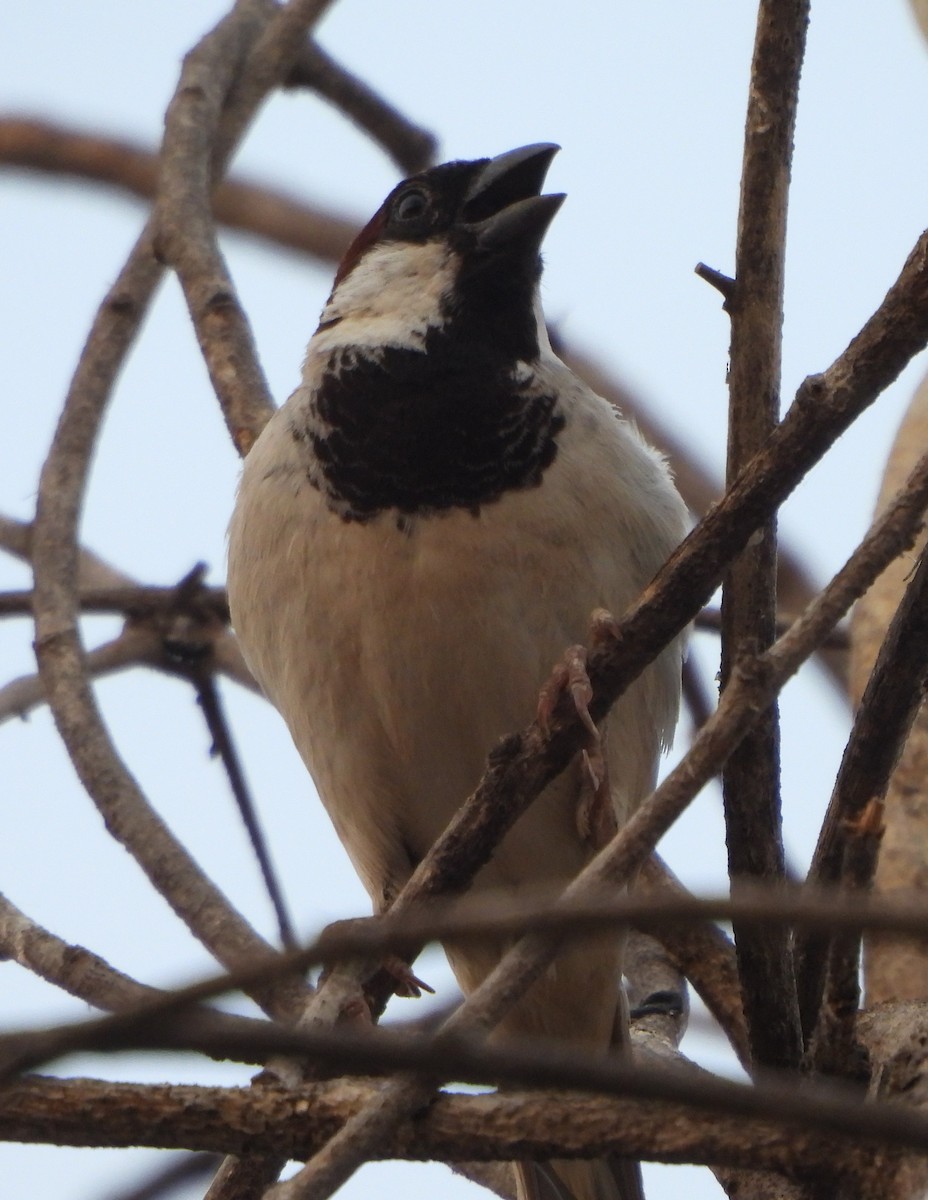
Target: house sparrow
[{"x": 420, "y": 532}]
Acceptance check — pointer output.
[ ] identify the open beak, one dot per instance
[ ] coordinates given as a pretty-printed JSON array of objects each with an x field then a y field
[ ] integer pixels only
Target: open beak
[{"x": 503, "y": 205}]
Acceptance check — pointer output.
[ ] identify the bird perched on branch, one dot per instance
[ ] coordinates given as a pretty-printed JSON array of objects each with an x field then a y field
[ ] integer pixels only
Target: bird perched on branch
[{"x": 421, "y": 531}]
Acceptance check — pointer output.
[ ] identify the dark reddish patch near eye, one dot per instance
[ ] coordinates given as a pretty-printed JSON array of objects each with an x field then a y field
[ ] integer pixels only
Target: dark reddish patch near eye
[{"x": 370, "y": 234}]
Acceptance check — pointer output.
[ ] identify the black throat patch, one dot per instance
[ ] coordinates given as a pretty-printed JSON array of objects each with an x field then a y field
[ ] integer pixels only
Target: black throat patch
[{"x": 421, "y": 433}]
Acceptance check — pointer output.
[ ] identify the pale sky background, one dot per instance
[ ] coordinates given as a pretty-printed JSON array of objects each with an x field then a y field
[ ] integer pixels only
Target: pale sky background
[{"x": 648, "y": 103}]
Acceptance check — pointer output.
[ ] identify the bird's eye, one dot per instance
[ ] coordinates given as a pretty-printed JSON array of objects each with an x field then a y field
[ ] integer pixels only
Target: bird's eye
[{"x": 411, "y": 205}]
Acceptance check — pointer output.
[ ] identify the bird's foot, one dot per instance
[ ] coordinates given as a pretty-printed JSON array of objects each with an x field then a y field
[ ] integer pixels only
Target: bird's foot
[
  {"x": 603, "y": 627},
  {"x": 596, "y": 814},
  {"x": 595, "y": 817},
  {"x": 569, "y": 675},
  {"x": 408, "y": 984},
  {"x": 596, "y": 821}
]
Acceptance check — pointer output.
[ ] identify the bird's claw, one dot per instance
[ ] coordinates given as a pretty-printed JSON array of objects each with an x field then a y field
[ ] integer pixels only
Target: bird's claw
[
  {"x": 408, "y": 984},
  {"x": 569, "y": 675},
  {"x": 595, "y": 817},
  {"x": 596, "y": 821},
  {"x": 603, "y": 627}
]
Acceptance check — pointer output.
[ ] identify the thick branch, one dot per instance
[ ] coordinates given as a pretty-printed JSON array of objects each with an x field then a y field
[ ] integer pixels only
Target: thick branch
[
  {"x": 275, "y": 1117},
  {"x": 751, "y": 777},
  {"x": 272, "y": 1120}
]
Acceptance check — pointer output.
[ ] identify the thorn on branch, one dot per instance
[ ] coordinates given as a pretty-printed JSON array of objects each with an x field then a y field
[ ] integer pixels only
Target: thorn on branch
[
  {"x": 189, "y": 587},
  {"x": 721, "y": 282}
]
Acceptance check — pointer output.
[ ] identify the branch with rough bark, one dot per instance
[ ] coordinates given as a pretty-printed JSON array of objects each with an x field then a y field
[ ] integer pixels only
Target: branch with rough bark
[
  {"x": 751, "y": 776},
  {"x": 291, "y": 1123}
]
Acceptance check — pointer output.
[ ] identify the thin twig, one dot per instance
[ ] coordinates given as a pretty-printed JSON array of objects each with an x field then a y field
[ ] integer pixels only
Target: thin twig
[
  {"x": 411, "y": 147},
  {"x": 133, "y": 600},
  {"x": 223, "y": 745},
  {"x": 709, "y": 620},
  {"x": 143, "y": 642},
  {"x": 833, "y": 1047},
  {"x": 722, "y": 283}
]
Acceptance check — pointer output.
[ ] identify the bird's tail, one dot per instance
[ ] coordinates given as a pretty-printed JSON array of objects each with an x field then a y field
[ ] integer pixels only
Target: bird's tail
[{"x": 602, "y": 1179}]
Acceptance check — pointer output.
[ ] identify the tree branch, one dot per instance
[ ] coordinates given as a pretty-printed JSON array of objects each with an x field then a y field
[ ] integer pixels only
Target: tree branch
[
  {"x": 884, "y": 718},
  {"x": 73, "y": 968},
  {"x": 39, "y": 145},
  {"x": 133, "y": 647},
  {"x": 660, "y": 1114},
  {"x": 185, "y": 233},
  {"x": 751, "y": 776},
  {"x": 411, "y": 147}
]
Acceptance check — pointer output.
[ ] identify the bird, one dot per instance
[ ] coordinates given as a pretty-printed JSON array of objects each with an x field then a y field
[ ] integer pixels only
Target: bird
[{"x": 419, "y": 533}]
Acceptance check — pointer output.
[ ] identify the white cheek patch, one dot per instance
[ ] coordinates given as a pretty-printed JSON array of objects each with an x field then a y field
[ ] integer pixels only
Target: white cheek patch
[{"x": 391, "y": 298}]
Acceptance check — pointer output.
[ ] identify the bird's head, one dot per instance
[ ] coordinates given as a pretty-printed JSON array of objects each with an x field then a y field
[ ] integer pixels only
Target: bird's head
[{"x": 453, "y": 253}]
